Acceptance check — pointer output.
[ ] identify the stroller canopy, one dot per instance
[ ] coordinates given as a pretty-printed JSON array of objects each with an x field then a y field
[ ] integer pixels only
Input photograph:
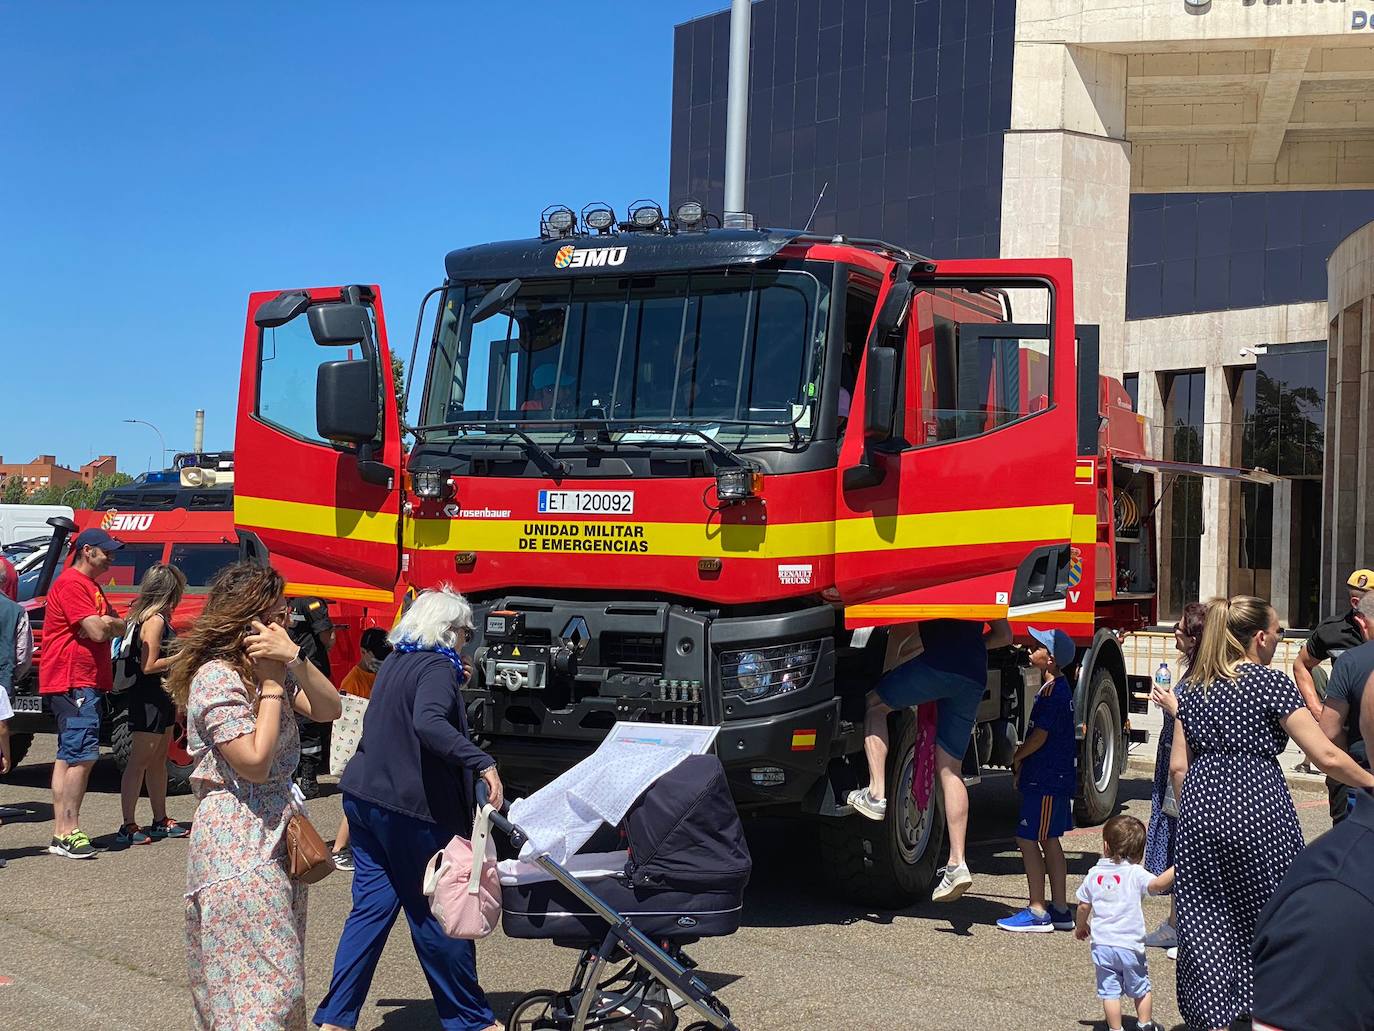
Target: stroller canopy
[{"x": 685, "y": 832}]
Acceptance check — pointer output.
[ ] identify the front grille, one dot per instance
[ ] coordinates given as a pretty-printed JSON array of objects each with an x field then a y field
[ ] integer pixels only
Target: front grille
[{"x": 632, "y": 653}]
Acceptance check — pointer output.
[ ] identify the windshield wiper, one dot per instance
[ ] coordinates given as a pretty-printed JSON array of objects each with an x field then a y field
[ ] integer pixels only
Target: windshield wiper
[
  {"x": 712, "y": 445},
  {"x": 538, "y": 454}
]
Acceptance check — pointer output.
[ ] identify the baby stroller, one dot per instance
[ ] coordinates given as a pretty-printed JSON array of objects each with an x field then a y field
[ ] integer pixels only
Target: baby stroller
[{"x": 679, "y": 877}]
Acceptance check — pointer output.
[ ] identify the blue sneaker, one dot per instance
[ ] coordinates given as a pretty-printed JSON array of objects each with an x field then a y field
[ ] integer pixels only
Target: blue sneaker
[
  {"x": 1063, "y": 919},
  {"x": 1027, "y": 920}
]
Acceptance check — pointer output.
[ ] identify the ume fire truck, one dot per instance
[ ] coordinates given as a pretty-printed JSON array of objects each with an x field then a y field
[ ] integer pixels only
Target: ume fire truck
[{"x": 682, "y": 472}]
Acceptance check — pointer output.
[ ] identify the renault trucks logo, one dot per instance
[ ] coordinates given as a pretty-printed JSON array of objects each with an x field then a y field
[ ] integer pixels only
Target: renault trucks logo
[
  {"x": 112, "y": 520},
  {"x": 569, "y": 256}
]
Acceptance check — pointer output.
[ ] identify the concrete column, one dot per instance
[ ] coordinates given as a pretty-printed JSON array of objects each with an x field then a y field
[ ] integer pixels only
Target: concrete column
[
  {"x": 1215, "y": 565},
  {"x": 1281, "y": 589},
  {"x": 1345, "y": 478},
  {"x": 1067, "y": 177},
  {"x": 1364, "y": 460}
]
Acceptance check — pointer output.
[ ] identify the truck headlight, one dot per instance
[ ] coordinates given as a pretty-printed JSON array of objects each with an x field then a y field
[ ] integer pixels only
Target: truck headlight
[{"x": 756, "y": 673}]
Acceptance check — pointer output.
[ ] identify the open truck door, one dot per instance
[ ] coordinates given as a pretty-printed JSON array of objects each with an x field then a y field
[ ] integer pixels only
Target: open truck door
[
  {"x": 317, "y": 416},
  {"x": 957, "y": 499}
]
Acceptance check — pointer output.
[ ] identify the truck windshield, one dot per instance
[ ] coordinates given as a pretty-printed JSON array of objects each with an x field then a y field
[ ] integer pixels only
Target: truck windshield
[{"x": 739, "y": 354}]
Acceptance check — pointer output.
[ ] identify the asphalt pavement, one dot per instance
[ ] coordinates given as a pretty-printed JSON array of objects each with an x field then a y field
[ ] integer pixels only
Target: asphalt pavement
[{"x": 100, "y": 943}]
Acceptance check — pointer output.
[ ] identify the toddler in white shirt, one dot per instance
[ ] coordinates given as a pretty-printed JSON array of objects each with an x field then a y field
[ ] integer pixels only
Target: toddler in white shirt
[{"x": 1111, "y": 896}]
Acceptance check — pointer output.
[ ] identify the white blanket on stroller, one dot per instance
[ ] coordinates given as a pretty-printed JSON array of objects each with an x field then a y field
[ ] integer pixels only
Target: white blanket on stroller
[{"x": 561, "y": 817}]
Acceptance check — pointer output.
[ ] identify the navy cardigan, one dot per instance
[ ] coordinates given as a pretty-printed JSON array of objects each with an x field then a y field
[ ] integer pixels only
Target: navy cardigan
[{"x": 415, "y": 756}]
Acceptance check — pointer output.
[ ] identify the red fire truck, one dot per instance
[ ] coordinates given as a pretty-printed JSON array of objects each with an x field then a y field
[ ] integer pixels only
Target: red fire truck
[
  {"x": 183, "y": 516},
  {"x": 679, "y": 471}
]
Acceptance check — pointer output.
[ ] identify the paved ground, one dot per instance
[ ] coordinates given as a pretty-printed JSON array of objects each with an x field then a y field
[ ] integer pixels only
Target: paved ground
[{"x": 99, "y": 944}]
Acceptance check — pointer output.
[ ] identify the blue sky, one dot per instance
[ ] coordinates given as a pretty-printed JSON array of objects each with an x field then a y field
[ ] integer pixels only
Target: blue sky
[{"x": 163, "y": 160}]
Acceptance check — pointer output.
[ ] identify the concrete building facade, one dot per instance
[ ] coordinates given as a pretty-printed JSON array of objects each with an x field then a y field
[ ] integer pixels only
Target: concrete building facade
[{"x": 1198, "y": 161}]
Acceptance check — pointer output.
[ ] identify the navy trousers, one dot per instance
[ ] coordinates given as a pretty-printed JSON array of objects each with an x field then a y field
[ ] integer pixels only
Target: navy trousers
[{"x": 390, "y": 851}]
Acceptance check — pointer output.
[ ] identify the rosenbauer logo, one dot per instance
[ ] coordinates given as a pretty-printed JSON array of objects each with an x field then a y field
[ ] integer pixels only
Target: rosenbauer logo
[
  {"x": 112, "y": 520},
  {"x": 569, "y": 256}
]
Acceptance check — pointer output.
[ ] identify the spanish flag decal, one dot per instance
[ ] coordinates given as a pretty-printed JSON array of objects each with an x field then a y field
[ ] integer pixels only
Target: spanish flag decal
[{"x": 803, "y": 740}]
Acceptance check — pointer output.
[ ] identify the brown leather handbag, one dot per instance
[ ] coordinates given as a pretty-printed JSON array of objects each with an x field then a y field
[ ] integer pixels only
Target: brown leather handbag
[{"x": 307, "y": 856}]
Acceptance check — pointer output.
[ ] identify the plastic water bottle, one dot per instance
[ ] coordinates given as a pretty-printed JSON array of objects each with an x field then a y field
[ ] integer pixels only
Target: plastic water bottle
[{"x": 1164, "y": 680}]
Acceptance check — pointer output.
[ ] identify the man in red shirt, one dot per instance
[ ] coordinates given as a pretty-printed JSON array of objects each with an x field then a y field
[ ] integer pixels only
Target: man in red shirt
[{"x": 75, "y": 672}]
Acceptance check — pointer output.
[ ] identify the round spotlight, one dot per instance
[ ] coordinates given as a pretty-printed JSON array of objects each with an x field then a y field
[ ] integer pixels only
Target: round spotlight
[
  {"x": 598, "y": 216},
  {"x": 561, "y": 220},
  {"x": 690, "y": 213},
  {"x": 645, "y": 214},
  {"x": 557, "y": 220}
]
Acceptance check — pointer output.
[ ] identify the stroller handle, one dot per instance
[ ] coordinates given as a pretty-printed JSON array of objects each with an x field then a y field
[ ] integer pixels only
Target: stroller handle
[{"x": 516, "y": 835}]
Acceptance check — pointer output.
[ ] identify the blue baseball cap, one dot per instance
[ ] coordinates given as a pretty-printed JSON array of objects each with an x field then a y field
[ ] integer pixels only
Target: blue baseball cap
[
  {"x": 1058, "y": 644},
  {"x": 96, "y": 538}
]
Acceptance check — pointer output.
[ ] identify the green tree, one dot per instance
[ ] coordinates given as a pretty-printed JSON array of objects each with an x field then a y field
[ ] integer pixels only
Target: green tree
[
  {"x": 14, "y": 493},
  {"x": 398, "y": 383}
]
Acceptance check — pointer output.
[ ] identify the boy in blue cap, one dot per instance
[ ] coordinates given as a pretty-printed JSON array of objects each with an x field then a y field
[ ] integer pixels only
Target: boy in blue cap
[{"x": 1044, "y": 771}]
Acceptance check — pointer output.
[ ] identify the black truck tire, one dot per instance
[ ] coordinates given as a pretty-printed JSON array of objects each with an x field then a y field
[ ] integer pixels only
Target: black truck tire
[
  {"x": 1099, "y": 759},
  {"x": 122, "y": 742},
  {"x": 19, "y": 747},
  {"x": 890, "y": 863}
]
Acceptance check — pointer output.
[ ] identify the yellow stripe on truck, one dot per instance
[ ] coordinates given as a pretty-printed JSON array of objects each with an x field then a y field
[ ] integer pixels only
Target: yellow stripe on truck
[
  {"x": 334, "y": 592},
  {"x": 348, "y": 524},
  {"x": 969, "y": 527},
  {"x": 762, "y": 541}
]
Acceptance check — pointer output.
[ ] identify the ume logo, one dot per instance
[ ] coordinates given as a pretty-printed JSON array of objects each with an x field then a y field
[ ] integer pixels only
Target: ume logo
[
  {"x": 569, "y": 256},
  {"x": 133, "y": 521}
]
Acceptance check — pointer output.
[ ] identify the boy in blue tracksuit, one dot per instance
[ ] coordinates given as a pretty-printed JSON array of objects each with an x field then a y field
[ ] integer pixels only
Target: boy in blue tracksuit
[{"x": 1044, "y": 769}]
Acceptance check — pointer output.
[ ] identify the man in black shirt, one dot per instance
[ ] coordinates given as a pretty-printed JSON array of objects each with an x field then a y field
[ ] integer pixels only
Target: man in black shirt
[
  {"x": 1340, "y": 716},
  {"x": 1313, "y": 947},
  {"x": 313, "y": 630},
  {"x": 1332, "y": 636}
]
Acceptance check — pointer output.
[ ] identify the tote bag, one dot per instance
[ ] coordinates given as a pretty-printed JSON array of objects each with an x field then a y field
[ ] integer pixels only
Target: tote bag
[
  {"x": 462, "y": 884},
  {"x": 346, "y": 733}
]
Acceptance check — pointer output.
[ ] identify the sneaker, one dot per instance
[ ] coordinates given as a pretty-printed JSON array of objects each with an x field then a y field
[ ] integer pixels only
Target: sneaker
[
  {"x": 866, "y": 805},
  {"x": 954, "y": 881},
  {"x": 75, "y": 845},
  {"x": 1028, "y": 920},
  {"x": 168, "y": 828},
  {"x": 343, "y": 860},
  {"x": 1162, "y": 937},
  {"x": 131, "y": 834},
  {"x": 1172, "y": 953},
  {"x": 1063, "y": 919}
]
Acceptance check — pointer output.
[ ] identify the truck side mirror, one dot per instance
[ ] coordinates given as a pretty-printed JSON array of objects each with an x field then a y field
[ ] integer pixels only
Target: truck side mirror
[
  {"x": 882, "y": 383},
  {"x": 494, "y": 300},
  {"x": 336, "y": 324},
  {"x": 346, "y": 407},
  {"x": 281, "y": 309},
  {"x": 880, "y": 394}
]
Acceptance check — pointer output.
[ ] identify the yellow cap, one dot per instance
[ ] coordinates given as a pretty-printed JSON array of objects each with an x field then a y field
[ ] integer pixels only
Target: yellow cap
[{"x": 1361, "y": 579}]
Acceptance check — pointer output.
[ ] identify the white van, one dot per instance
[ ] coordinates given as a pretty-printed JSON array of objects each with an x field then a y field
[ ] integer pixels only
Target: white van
[{"x": 24, "y": 522}]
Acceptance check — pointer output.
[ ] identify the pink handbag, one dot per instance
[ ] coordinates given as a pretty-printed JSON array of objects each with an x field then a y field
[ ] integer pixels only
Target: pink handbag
[{"x": 462, "y": 884}]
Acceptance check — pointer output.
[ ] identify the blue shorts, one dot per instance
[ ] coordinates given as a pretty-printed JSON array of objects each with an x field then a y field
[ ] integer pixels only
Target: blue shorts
[
  {"x": 1044, "y": 816},
  {"x": 957, "y": 698},
  {"x": 78, "y": 725},
  {"x": 1120, "y": 972}
]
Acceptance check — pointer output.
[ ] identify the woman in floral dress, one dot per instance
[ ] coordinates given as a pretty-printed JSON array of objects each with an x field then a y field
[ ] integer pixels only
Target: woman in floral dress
[{"x": 239, "y": 676}]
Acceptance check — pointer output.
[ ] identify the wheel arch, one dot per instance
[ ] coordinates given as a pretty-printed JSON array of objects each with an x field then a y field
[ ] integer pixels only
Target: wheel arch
[{"x": 1104, "y": 653}]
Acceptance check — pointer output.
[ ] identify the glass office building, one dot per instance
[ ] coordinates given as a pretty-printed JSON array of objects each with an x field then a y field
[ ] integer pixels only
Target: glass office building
[{"x": 897, "y": 120}]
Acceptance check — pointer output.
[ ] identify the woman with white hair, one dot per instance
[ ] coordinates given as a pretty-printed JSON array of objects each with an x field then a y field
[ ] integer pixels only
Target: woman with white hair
[{"x": 408, "y": 789}]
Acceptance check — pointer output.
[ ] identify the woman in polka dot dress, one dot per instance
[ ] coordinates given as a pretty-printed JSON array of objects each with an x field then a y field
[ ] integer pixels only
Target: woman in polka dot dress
[{"x": 1237, "y": 828}]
